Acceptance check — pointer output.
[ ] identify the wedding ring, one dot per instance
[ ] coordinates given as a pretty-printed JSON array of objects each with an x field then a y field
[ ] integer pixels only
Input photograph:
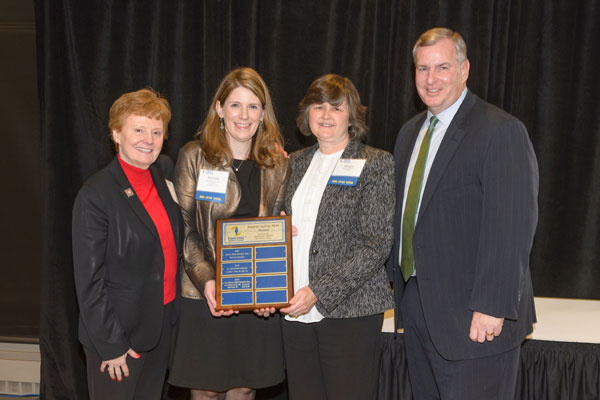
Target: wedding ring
[{"x": 490, "y": 333}]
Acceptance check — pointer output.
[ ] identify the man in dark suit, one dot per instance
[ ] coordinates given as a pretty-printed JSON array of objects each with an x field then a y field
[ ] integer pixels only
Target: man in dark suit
[{"x": 465, "y": 220}]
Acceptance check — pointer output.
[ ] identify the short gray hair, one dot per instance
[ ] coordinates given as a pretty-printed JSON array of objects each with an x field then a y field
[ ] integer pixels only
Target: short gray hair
[{"x": 432, "y": 36}]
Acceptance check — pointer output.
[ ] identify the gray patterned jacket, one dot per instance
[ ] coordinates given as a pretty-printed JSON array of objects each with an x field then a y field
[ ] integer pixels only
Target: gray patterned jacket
[{"x": 353, "y": 235}]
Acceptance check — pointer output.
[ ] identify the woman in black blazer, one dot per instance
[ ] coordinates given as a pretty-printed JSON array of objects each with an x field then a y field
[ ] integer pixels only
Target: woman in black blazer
[
  {"x": 127, "y": 231},
  {"x": 340, "y": 195}
]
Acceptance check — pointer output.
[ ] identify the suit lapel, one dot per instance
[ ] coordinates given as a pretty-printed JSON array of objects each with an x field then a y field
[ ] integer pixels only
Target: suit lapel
[
  {"x": 131, "y": 197},
  {"x": 299, "y": 167},
  {"x": 405, "y": 149},
  {"x": 270, "y": 180},
  {"x": 402, "y": 153},
  {"x": 168, "y": 203},
  {"x": 452, "y": 138},
  {"x": 331, "y": 192}
]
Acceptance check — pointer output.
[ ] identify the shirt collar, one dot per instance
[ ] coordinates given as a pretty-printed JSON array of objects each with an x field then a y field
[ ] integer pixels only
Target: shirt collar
[{"x": 448, "y": 114}]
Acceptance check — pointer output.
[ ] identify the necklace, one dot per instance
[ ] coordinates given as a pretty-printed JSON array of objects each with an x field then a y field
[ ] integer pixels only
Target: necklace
[{"x": 238, "y": 167}]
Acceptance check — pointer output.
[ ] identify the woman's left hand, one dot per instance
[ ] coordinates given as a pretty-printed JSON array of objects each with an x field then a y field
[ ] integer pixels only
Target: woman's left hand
[
  {"x": 117, "y": 367},
  {"x": 301, "y": 303},
  {"x": 265, "y": 312},
  {"x": 282, "y": 151},
  {"x": 294, "y": 227}
]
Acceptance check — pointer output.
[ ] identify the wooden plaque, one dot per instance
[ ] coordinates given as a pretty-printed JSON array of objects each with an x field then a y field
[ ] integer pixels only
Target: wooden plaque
[{"x": 254, "y": 263}]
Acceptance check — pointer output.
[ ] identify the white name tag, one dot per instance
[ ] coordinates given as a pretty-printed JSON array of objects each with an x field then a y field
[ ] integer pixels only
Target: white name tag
[
  {"x": 346, "y": 172},
  {"x": 172, "y": 191},
  {"x": 212, "y": 185}
]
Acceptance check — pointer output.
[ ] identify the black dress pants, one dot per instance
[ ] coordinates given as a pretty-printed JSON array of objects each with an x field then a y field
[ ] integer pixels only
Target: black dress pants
[
  {"x": 146, "y": 374},
  {"x": 334, "y": 359},
  {"x": 433, "y": 377}
]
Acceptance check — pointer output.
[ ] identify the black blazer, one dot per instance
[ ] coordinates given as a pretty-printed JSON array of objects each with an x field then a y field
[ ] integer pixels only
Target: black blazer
[
  {"x": 118, "y": 261},
  {"x": 474, "y": 230}
]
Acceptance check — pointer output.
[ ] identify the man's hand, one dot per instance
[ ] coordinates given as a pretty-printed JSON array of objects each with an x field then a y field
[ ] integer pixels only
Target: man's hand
[{"x": 485, "y": 327}]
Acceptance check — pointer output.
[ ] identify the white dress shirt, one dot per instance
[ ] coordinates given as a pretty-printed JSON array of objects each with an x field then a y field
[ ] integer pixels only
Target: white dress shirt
[
  {"x": 305, "y": 206},
  {"x": 444, "y": 120}
]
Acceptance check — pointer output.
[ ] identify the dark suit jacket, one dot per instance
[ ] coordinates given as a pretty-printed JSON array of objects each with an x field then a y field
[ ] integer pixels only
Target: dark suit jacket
[
  {"x": 474, "y": 230},
  {"x": 353, "y": 234},
  {"x": 118, "y": 262}
]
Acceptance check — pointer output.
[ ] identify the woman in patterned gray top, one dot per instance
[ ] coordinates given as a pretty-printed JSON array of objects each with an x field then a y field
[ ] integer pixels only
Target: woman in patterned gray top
[{"x": 341, "y": 198}]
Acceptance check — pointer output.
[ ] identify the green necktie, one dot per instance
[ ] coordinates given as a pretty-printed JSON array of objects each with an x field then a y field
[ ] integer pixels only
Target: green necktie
[{"x": 407, "y": 264}]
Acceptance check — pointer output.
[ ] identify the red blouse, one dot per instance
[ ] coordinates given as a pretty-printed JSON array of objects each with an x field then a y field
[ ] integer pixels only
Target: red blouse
[{"x": 143, "y": 186}]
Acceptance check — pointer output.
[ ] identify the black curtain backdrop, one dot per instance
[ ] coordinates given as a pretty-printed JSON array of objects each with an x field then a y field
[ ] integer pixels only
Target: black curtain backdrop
[
  {"x": 534, "y": 58},
  {"x": 547, "y": 371}
]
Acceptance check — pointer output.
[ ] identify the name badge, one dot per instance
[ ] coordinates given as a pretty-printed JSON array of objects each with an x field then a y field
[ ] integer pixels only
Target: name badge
[
  {"x": 346, "y": 172},
  {"x": 172, "y": 191},
  {"x": 212, "y": 185}
]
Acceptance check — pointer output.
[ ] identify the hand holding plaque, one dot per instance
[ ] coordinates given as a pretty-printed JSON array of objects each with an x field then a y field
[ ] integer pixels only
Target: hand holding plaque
[{"x": 254, "y": 263}]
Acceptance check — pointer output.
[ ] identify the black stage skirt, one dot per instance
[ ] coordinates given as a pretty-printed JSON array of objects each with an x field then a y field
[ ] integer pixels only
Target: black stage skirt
[{"x": 219, "y": 354}]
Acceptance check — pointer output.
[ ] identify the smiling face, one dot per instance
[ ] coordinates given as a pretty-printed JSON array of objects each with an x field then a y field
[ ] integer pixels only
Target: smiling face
[
  {"x": 242, "y": 112},
  {"x": 329, "y": 123},
  {"x": 439, "y": 78},
  {"x": 140, "y": 140}
]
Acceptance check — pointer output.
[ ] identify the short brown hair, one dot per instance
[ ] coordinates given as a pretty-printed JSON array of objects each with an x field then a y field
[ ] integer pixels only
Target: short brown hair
[
  {"x": 433, "y": 35},
  {"x": 334, "y": 89},
  {"x": 145, "y": 102},
  {"x": 267, "y": 144}
]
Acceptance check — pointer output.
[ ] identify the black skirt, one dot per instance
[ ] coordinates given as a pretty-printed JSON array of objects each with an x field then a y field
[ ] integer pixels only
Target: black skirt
[{"x": 219, "y": 354}]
